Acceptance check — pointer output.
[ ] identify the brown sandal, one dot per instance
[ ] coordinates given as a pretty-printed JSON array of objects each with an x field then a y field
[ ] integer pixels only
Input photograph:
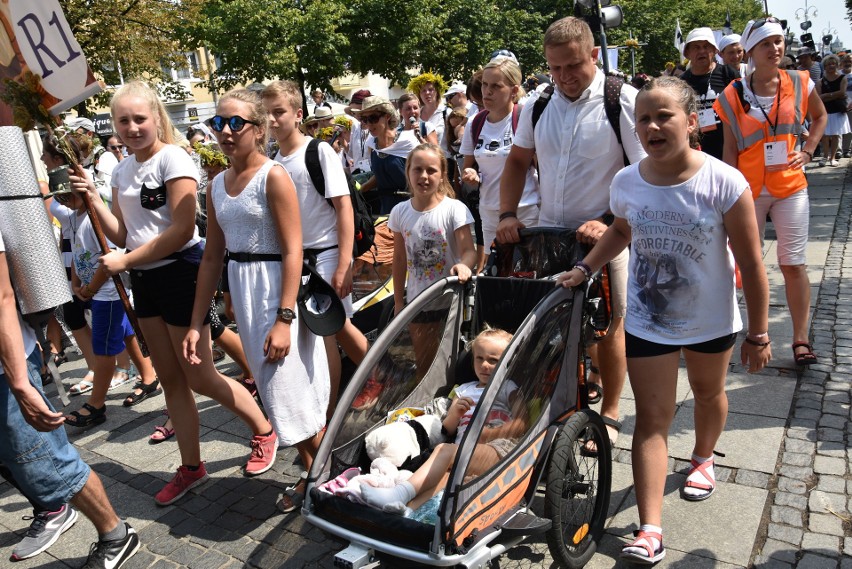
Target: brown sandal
[{"x": 804, "y": 358}]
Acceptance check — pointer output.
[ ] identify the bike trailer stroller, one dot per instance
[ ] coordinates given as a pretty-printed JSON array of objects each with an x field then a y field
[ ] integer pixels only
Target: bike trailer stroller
[{"x": 545, "y": 484}]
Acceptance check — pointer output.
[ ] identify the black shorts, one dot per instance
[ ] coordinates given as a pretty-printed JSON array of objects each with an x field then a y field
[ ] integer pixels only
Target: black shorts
[
  {"x": 72, "y": 313},
  {"x": 639, "y": 348},
  {"x": 167, "y": 292}
]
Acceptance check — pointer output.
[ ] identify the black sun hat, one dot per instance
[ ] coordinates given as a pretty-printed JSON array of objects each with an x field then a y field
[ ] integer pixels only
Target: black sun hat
[{"x": 319, "y": 305}]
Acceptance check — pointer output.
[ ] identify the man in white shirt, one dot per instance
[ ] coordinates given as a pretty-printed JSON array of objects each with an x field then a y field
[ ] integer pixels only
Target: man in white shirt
[
  {"x": 358, "y": 150},
  {"x": 578, "y": 156}
]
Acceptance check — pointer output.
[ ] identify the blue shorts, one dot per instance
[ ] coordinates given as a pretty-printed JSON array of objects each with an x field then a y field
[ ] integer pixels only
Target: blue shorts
[
  {"x": 46, "y": 467},
  {"x": 110, "y": 327}
]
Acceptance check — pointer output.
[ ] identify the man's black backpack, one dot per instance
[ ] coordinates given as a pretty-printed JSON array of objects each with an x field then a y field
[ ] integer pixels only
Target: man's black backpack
[{"x": 364, "y": 229}]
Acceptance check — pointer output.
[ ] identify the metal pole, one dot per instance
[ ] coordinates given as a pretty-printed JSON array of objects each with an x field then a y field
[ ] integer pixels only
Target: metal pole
[
  {"x": 632, "y": 57},
  {"x": 604, "y": 54}
]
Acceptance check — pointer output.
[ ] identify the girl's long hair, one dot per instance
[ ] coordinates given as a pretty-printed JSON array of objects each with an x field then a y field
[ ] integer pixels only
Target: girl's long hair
[{"x": 444, "y": 187}]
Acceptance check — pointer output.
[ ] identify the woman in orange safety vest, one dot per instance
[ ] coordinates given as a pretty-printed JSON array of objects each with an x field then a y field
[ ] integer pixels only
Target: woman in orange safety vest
[{"x": 762, "y": 116}]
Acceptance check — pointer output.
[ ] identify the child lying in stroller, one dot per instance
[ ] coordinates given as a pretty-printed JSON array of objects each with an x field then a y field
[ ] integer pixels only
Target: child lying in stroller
[{"x": 506, "y": 422}]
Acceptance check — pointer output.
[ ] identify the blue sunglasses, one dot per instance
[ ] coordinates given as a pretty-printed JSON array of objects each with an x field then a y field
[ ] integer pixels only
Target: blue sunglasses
[{"x": 235, "y": 123}]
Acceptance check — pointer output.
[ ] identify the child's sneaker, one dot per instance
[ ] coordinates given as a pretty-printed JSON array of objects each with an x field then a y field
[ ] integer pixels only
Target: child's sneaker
[
  {"x": 263, "y": 452},
  {"x": 183, "y": 482}
]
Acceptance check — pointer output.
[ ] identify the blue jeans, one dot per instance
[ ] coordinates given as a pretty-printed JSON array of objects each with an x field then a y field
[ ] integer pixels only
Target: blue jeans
[{"x": 45, "y": 466}]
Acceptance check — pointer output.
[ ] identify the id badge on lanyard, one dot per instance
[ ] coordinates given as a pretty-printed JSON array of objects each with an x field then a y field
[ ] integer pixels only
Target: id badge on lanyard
[{"x": 775, "y": 155}]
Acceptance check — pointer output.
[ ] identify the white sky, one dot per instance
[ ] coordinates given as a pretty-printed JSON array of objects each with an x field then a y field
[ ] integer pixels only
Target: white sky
[{"x": 829, "y": 13}]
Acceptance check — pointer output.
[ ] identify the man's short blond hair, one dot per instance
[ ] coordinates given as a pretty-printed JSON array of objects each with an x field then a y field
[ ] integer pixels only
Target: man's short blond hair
[
  {"x": 569, "y": 30},
  {"x": 287, "y": 89}
]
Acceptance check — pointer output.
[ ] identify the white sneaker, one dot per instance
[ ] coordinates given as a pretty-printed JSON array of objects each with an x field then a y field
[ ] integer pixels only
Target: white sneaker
[{"x": 832, "y": 163}]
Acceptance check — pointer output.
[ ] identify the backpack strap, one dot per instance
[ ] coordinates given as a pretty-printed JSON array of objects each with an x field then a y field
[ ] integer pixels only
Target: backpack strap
[
  {"x": 314, "y": 167},
  {"x": 612, "y": 103},
  {"x": 477, "y": 124},
  {"x": 612, "y": 108},
  {"x": 541, "y": 103},
  {"x": 516, "y": 113}
]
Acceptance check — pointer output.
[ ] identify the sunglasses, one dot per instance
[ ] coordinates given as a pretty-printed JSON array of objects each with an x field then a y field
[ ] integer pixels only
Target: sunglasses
[
  {"x": 371, "y": 119},
  {"x": 116, "y": 147},
  {"x": 235, "y": 123},
  {"x": 761, "y": 22}
]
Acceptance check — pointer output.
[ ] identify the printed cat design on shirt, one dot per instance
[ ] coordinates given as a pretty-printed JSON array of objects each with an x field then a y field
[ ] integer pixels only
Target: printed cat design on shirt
[{"x": 152, "y": 198}]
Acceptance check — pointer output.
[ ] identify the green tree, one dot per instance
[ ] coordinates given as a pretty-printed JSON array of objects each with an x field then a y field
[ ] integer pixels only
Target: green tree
[
  {"x": 125, "y": 39},
  {"x": 654, "y": 21}
]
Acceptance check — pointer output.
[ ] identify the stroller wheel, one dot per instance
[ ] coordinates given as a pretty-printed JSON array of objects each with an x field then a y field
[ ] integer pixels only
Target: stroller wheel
[{"x": 578, "y": 489}]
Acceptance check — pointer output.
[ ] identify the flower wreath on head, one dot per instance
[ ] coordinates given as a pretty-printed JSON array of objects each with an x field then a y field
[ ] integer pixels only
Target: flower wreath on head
[
  {"x": 343, "y": 122},
  {"x": 416, "y": 84}
]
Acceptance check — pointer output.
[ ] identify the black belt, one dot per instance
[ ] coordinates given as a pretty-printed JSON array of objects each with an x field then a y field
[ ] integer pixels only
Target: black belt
[
  {"x": 310, "y": 255},
  {"x": 253, "y": 257}
]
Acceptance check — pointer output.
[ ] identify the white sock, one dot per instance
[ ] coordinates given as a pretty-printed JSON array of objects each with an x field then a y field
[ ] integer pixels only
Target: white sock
[
  {"x": 700, "y": 478},
  {"x": 389, "y": 499},
  {"x": 653, "y": 542}
]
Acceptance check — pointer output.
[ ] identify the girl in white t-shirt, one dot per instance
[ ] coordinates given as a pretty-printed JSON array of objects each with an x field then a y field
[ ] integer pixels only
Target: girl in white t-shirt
[
  {"x": 501, "y": 87},
  {"x": 679, "y": 209},
  {"x": 153, "y": 216},
  {"x": 431, "y": 240}
]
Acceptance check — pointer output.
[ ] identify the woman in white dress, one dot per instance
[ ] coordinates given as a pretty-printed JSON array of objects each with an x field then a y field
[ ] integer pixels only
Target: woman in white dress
[{"x": 253, "y": 211}]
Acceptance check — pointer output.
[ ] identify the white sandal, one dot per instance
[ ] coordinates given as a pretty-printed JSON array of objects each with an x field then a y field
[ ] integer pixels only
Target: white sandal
[
  {"x": 85, "y": 385},
  {"x": 119, "y": 378}
]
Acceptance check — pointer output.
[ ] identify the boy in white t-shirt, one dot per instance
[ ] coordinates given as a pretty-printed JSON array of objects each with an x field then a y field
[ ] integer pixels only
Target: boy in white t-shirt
[{"x": 328, "y": 231}]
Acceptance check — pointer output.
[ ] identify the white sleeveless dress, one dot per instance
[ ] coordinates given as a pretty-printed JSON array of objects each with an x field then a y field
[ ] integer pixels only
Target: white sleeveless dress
[{"x": 295, "y": 390}]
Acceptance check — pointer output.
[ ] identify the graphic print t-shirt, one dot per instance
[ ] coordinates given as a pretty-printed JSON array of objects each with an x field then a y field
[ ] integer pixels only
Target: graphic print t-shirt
[
  {"x": 681, "y": 285},
  {"x": 430, "y": 243}
]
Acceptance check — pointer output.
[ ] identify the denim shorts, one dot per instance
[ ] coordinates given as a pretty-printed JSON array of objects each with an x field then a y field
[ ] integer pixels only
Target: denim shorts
[
  {"x": 46, "y": 467},
  {"x": 110, "y": 327}
]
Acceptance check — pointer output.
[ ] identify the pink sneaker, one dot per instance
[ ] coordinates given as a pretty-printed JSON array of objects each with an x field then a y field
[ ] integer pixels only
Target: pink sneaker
[
  {"x": 263, "y": 451},
  {"x": 183, "y": 481}
]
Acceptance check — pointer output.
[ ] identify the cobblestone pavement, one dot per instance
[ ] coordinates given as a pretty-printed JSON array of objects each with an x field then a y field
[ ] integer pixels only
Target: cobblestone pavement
[{"x": 785, "y": 484}]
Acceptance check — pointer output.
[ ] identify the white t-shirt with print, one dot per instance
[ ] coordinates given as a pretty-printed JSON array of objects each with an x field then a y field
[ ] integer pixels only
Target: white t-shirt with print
[
  {"x": 87, "y": 251},
  {"x": 491, "y": 150},
  {"x": 430, "y": 243},
  {"x": 501, "y": 409},
  {"x": 143, "y": 198},
  {"x": 681, "y": 287},
  {"x": 26, "y": 331},
  {"x": 319, "y": 221}
]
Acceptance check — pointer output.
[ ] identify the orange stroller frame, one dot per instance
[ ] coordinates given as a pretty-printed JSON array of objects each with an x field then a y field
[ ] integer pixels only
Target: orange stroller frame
[{"x": 547, "y": 483}]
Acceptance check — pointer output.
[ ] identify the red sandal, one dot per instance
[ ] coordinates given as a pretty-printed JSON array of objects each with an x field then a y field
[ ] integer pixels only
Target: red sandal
[
  {"x": 643, "y": 541},
  {"x": 693, "y": 480},
  {"x": 804, "y": 358}
]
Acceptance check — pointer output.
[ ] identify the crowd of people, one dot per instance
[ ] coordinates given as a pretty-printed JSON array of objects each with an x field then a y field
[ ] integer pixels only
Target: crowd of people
[{"x": 702, "y": 157}]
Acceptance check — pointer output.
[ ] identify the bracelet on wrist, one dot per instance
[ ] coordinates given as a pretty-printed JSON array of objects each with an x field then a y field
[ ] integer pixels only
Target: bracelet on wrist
[
  {"x": 756, "y": 343},
  {"x": 810, "y": 154},
  {"x": 507, "y": 215},
  {"x": 584, "y": 268}
]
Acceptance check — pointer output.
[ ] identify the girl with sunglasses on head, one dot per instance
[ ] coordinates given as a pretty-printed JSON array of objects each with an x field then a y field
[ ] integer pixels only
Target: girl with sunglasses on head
[
  {"x": 389, "y": 149},
  {"x": 253, "y": 212},
  {"x": 762, "y": 117},
  {"x": 153, "y": 216}
]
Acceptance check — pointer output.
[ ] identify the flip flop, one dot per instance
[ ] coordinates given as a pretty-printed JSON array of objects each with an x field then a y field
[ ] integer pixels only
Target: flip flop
[{"x": 593, "y": 387}]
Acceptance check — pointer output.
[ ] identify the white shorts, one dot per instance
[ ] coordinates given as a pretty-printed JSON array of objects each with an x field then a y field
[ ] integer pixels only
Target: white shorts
[
  {"x": 790, "y": 216},
  {"x": 326, "y": 265}
]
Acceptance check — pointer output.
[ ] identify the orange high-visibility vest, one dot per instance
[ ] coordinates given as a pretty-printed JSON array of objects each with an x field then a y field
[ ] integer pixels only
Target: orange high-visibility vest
[{"x": 751, "y": 133}]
